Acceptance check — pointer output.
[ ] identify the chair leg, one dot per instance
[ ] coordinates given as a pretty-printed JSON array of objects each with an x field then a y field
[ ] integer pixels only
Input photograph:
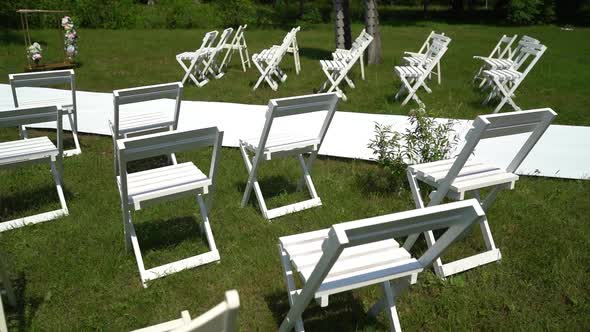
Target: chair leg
[
  {"x": 362, "y": 61},
  {"x": 388, "y": 304},
  {"x": 290, "y": 282},
  {"x": 73, "y": 119}
]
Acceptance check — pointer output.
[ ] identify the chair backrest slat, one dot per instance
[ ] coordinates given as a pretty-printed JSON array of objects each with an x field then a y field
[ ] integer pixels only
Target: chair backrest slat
[
  {"x": 208, "y": 39},
  {"x": 223, "y": 39},
  {"x": 151, "y": 145},
  {"x": 41, "y": 78},
  {"x": 29, "y": 115},
  {"x": 222, "y": 317}
]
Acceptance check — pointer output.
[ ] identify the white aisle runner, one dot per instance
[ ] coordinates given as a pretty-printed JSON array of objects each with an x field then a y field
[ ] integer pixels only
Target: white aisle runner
[{"x": 563, "y": 152}]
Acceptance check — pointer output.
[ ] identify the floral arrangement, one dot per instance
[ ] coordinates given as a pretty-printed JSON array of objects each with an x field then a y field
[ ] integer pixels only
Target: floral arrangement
[
  {"x": 34, "y": 52},
  {"x": 70, "y": 37}
]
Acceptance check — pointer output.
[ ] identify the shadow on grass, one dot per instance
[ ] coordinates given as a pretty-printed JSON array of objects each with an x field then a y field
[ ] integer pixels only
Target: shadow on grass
[
  {"x": 10, "y": 37},
  {"x": 164, "y": 233},
  {"x": 271, "y": 186},
  {"x": 344, "y": 313},
  {"x": 41, "y": 199},
  {"x": 26, "y": 308},
  {"x": 313, "y": 53}
]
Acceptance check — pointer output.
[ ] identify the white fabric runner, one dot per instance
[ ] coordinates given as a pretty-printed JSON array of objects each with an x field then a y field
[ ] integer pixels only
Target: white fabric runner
[{"x": 563, "y": 152}]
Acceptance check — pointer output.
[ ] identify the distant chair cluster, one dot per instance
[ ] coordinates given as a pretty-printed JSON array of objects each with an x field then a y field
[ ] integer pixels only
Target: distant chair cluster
[{"x": 343, "y": 257}]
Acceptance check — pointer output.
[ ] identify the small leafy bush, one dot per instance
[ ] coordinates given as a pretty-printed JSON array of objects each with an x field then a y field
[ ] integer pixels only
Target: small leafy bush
[
  {"x": 236, "y": 12},
  {"x": 426, "y": 140}
]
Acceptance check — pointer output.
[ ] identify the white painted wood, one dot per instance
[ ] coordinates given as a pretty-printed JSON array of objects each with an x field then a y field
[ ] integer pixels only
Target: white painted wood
[
  {"x": 361, "y": 253},
  {"x": 126, "y": 123},
  {"x": 414, "y": 77},
  {"x": 506, "y": 81},
  {"x": 221, "y": 318},
  {"x": 280, "y": 145},
  {"x": 238, "y": 43},
  {"x": 337, "y": 69},
  {"x": 196, "y": 60},
  {"x": 34, "y": 150},
  {"x": 268, "y": 60},
  {"x": 419, "y": 59},
  {"x": 45, "y": 79},
  {"x": 140, "y": 189},
  {"x": 458, "y": 177},
  {"x": 501, "y": 55}
]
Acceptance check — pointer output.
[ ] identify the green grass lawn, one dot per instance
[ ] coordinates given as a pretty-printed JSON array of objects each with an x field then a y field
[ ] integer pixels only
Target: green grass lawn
[{"x": 74, "y": 273}]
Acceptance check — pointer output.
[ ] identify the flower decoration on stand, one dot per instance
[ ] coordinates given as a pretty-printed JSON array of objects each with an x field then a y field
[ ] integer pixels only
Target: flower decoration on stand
[
  {"x": 34, "y": 52},
  {"x": 70, "y": 38}
]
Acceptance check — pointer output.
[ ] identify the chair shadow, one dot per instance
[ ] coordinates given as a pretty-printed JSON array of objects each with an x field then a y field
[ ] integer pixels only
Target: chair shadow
[
  {"x": 40, "y": 199},
  {"x": 344, "y": 313},
  {"x": 165, "y": 233},
  {"x": 271, "y": 186},
  {"x": 313, "y": 53},
  {"x": 23, "y": 312}
]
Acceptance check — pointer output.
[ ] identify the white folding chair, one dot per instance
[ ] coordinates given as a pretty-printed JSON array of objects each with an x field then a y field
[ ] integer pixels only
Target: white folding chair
[
  {"x": 361, "y": 253},
  {"x": 144, "y": 188},
  {"x": 268, "y": 60},
  {"x": 221, "y": 318},
  {"x": 343, "y": 54},
  {"x": 210, "y": 64},
  {"x": 414, "y": 77},
  {"x": 34, "y": 150},
  {"x": 139, "y": 121},
  {"x": 458, "y": 177},
  {"x": 195, "y": 59},
  {"x": 293, "y": 48},
  {"x": 420, "y": 58},
  {"x": 5, "y": 289},
  {"x": 502, "y": 50},
  {"x": 337, "y": 70},
  {"x": 275, "y": 145},
  {"x": 506, "y": 81},
  {"x": 238, "y": 43},
  {"x": 45, "y": 79}
]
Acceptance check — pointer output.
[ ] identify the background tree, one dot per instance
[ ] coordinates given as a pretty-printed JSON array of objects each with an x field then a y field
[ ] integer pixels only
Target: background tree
[
  {"x": 342, "y": 24},
  {"x": 372, "y": 26}
]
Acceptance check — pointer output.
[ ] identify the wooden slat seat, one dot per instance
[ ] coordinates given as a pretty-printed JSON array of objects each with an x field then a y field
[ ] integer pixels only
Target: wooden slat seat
[
  {"x": 416, "y": 60},
  {"x": 409, "y": 71},
  {"x": 164, "y": 181},
  {"x": 27, "y": 149},
  {"x": 190, "y": 55},
  {"x": 498, "y": 63},
  {"x": 504, "y": 74},
  {"x": 355, "y": 265},
  {"x": 473, "y": 175}
]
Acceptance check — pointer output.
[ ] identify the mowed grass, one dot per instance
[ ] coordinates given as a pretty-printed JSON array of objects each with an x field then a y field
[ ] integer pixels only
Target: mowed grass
[
  {"x": 120, "y": 59},
  {"x": 74, "y": 273}
]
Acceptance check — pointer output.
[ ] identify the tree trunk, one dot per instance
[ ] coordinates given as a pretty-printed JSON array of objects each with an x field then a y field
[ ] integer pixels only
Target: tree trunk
[
  {"x": 372, "y": 26},
  {"x": 425, "y": 3},
  {"x": 342, "y": 25},
  {"x": 301, "y": 8}
]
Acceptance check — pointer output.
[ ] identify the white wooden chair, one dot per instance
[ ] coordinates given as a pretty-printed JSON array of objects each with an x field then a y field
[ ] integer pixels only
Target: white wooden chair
[
  {"x": 275, "y": 145},
  {"x": 506, "y": 81},
  {"x": 508, "y": 62},
  {"x": 458, "y": 177},
  {"x": 34, "y": 150},
  {"x": 5, "y": 289},
  {"x": 211, "y": 56},
  {"x": 502, "y": 51},
  {"x": 144, "y": 188},
  {"x": 45, "y": 79},
  {"x": 361, "y": 253},
  {"x": 414, "y": 77},
  {"x": 420, "y": 58},
  {"x": 337, "y": 70},
  {"x": 221, "y": 318},
  {"x": 341, "y": 54},
  {"x": 195, "y": 60},
  {"x": 128, "y": 123},
  {"x": 268, "y": 60},
  {"x": 238, "y": 43}
]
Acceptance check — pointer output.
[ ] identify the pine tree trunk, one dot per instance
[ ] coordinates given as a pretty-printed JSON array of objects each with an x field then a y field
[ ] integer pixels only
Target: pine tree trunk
[
  {"x": 372, "y": 26},
  {"x": 425, "y": 3},
  {"x": 342, "y": 24}
]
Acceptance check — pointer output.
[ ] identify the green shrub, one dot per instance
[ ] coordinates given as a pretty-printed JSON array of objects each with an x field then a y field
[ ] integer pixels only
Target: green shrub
[
  {"x": 236, "y": 12},
  {"x": 426, "y": 140}
]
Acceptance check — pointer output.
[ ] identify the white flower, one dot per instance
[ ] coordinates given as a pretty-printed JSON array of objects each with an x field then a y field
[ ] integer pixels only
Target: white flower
[{"x": 71, "y": 50}]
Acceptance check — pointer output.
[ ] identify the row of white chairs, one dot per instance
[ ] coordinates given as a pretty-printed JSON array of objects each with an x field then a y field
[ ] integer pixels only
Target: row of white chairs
[
  {"x": 206, "y": 61},
  {"x": 268, "y": 61}
]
